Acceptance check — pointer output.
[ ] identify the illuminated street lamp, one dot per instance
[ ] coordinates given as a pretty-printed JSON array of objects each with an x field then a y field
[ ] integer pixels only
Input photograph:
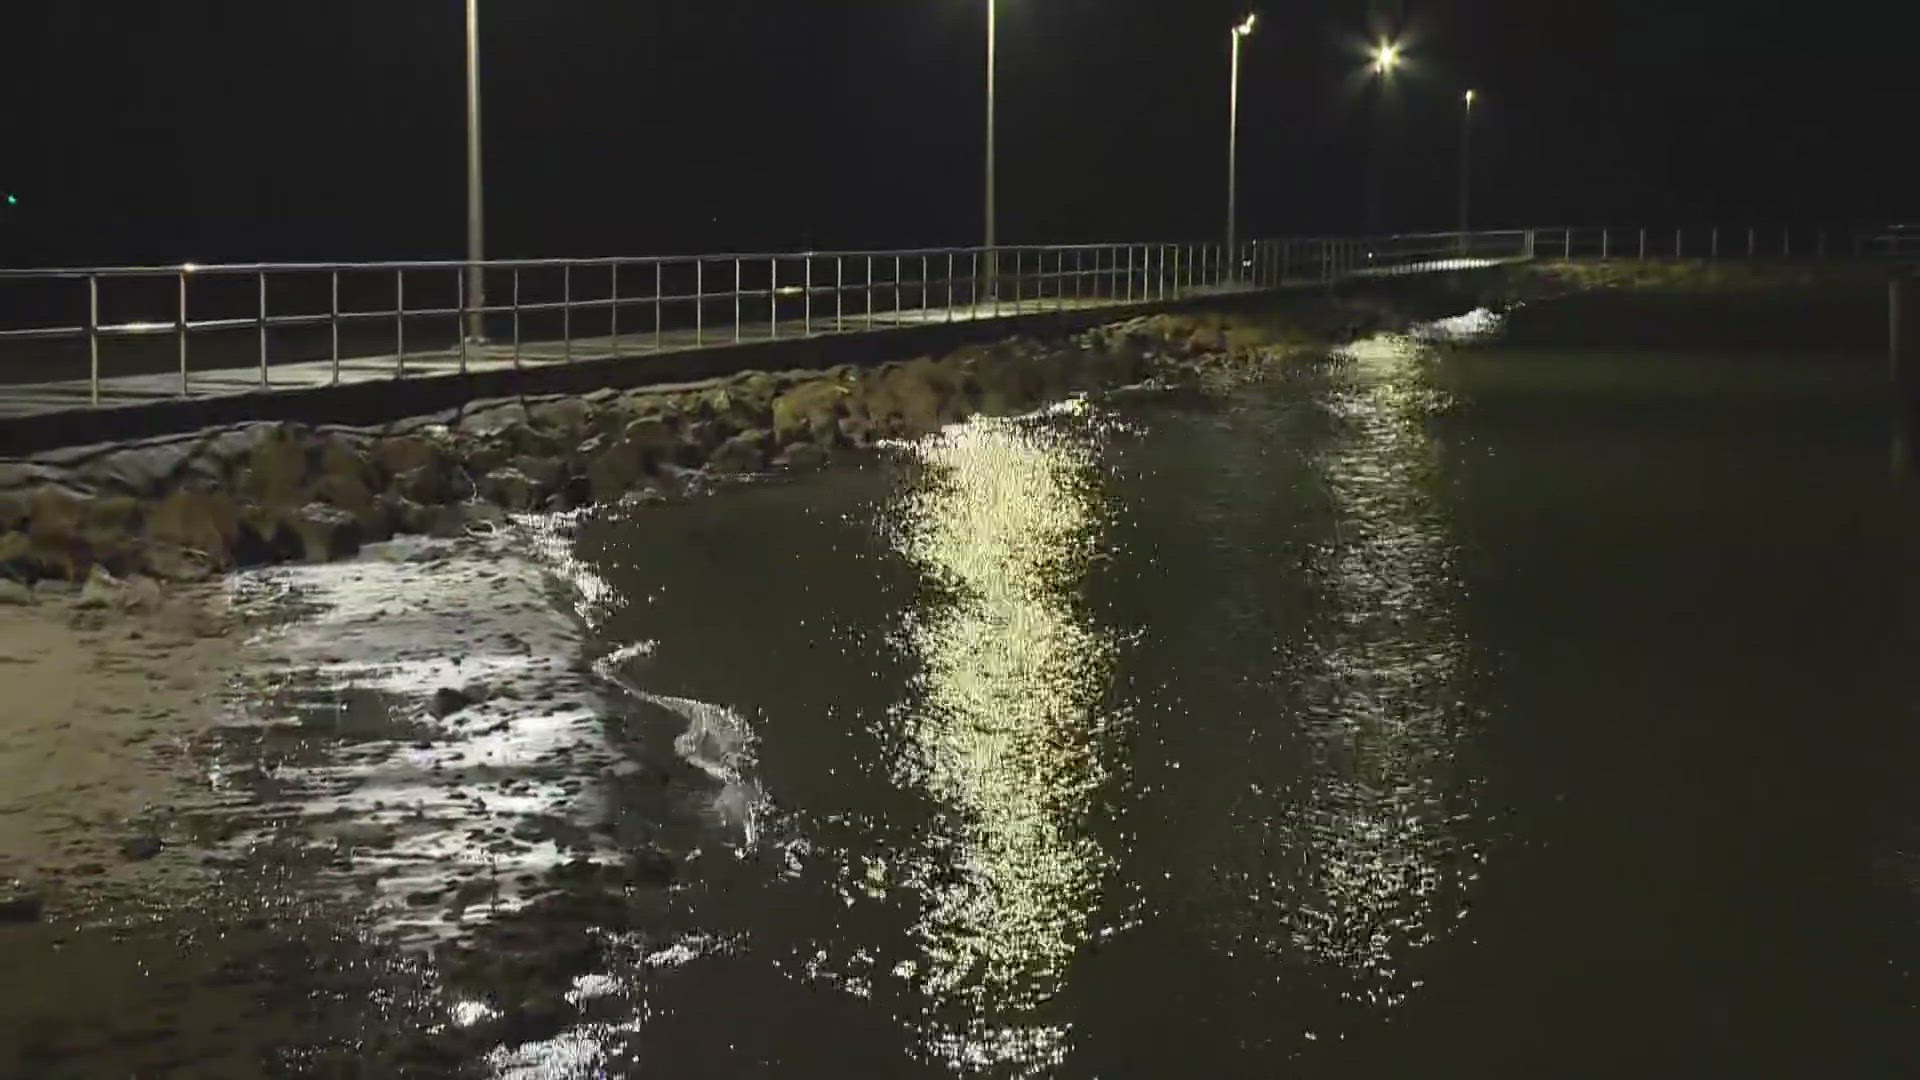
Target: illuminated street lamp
[
  {"x": 1240, "y": 32},
  {"x": 1386, "y": 57},
  {"x": 993, "y": 26},
  {"x": 476, "y": 283},
  {"x": 1466, "y": 161}
]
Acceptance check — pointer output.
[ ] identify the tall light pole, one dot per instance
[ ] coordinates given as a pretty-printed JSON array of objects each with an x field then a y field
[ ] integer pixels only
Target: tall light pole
[
  {"x": 993, "y": 27},
  {"x": 476, "y": 282},
  {"x": 1385, "y": 59},
  {"x": 1466, "y": 163},
  {"x": 1240, "y": 32}
]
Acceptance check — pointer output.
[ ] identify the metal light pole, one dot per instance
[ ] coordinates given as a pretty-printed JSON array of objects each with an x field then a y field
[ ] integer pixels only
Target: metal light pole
[
  {"x": 1240, "y": 32},
  {"x": 476, "y": 284},
  {"x": 993, "y": 261},
  {"x": 1466, "y": 165}
]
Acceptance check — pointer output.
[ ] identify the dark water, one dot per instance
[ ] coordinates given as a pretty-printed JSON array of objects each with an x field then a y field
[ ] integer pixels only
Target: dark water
[{"x": 1437, "y": 712}]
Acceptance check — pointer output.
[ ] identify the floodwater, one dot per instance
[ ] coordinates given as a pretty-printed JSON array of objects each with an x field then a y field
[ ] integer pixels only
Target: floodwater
[{"x": 1450, "y": 708}]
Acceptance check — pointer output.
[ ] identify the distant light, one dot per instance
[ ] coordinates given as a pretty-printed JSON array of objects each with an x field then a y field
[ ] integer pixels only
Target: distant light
[
  {"x": 1469, "y": 97},
  {"x": 188, "y": 268},
  {"x": 12, "y": 199},
  {"x": 1246, "y": 28}
]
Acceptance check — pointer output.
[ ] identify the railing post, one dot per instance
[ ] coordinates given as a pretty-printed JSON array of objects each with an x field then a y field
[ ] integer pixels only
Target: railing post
[
  {"x": 659, "y": 301},
  {"x": 699, "y": 302},
  {"x": 806, "y": 308},
  {"x": 949, "y": 284},
  {"x": 839, "y": 292},
  {"x": 1753, "y": 242},
  {"x": 1643, "y": 243},
  {"x": 93, "y": 338},
  {"x": 926, "y": 299},
  {"x": 973, "y": 296},
  {"x": 1129, "y": 273},
  {"x": 1604, "y": 245},
  {"x": 773, "y": 298},
  {"x": 566, "y": 313},
  {"x": 1713, "y": 242},
  {"x": 180, "y": 336},
  {"x": 896, "y": 287},
  {"x": 1679, "y": 241},
  {"x": 516, "y": 318},
  {"x": 738, "y": 281},
  {"x": 261, "y": 277},
  {"x": 333, "y": 324},
  {"x": 399, "y": 324},
  {"x": 869, "y": 292},
  {"x": 613, "y": 305},
  {"x": 460, "y": 327},
  {"x": 1786, "y": 243}
]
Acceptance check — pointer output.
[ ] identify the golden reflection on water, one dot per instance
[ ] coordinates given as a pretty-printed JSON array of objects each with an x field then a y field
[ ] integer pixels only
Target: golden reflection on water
[
  {"x": 1001, "y": 731},
  {"x": 1380, "y": 694}
]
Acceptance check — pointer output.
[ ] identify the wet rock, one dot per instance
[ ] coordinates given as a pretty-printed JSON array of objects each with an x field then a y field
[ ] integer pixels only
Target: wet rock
[
  {"x": 197, "y": 519},
  {"x": 276, "y": 470},
  {"x": 172, "y": 562},
  {"x": 325, "y": 533},
  {"x": 801, "y": 455},
  {"x": 102, "y": 590},
  {"x": 511, "y": 489},
  {"x": 547, "y": 473},
  {"x": 142, "y": 847},
  {"x": 20, "y": 902},
  {"x": 807, "y": 407},
  {"x": 650, "y": 867},
  {"x": 14, "y": 594},
  {"x": 743, "y": 453},
  {"x": 447, "y": 701},
  {"x": 433, "y": 484}
]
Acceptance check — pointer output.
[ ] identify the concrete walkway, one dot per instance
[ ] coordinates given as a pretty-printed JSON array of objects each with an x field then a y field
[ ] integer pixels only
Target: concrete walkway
[{"x": 32, "y": 399}]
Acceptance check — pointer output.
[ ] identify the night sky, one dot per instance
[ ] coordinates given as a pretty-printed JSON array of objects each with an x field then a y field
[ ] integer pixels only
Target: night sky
[{"x": 268, "y": 129}]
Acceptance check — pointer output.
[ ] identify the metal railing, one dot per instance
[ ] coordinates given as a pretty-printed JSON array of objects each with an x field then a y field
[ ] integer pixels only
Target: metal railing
[{"x": 228, "y": 328}]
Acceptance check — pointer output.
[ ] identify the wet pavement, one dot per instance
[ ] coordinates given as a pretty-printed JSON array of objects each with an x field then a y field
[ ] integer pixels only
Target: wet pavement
[{"x": 1446, "y": 707}]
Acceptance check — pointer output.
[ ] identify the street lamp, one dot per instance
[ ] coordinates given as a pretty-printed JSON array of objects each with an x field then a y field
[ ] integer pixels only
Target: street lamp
[
  {"x": 476, "y": 283},
  {"x": 1466, "y": 163},
  {"x": 1386, "y": 57},
  {"x": 993, "y": 26},
  {"x": 1240, "y": 32}
]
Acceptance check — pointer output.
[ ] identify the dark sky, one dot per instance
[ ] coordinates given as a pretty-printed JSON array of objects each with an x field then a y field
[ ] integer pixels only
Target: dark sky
[{"x": 136, "y": 130}]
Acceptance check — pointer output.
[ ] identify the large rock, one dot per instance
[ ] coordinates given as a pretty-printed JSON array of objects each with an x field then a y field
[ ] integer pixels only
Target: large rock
[
  {"x": 325, "y": 533},
  {"x": 276, "y": 471},
  {"x": 743, "y": 453},
  {"x": 204, "y": 521},
  {"x": 510, "y": 489},
  {"x": 14, "y": 594},
  {"x": 570, "y": 415},
  {"x": 808, "y": 409},
  {"x": 801, "y": 455}
]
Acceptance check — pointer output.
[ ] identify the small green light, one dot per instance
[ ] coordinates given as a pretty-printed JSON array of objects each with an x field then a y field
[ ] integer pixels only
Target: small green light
[{"x": 13, "y": 200}]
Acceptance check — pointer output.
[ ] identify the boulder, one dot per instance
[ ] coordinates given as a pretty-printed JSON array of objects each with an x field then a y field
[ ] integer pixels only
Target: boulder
[
  {"x": 431, "y": 484},
  {"x": 802, "y": 410},
  {"x": 570, "y": 415},
  {"x": 801, "y": 455},
  {"x": 511, "y": 489},
  {"x": 276, "y": 471},
  {"x": 743, "y": 453},
  {"x": 325, "y": 533},
  {"x": 14, "y": 594},
  {"x": 199, "y": 520},
  {"x": 142, "y": 471},
  {"x": 548, "y": 473}
]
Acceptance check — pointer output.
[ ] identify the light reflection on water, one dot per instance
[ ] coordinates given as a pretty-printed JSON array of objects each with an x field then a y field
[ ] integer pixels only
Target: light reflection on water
[
  {"x": 1378, "y": 687},
  {"x": 1002, "y": 730}
]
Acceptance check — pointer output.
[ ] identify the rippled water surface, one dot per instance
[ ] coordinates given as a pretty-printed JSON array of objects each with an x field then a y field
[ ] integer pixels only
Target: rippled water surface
[
  {"x": 1504, "y": 712},
  {"x": 1440, "y": 710}
]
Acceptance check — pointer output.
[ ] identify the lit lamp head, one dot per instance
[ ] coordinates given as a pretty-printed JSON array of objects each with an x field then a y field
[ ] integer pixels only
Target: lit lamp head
[
  {"x": 1245, "y": 29},
  {"x": 1386, "y": 57},
  {"x": 1469, "y": 99}
]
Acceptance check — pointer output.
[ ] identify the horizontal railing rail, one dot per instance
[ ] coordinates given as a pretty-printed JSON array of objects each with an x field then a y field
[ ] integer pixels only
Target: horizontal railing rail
[{"x": 412, "y": 317}]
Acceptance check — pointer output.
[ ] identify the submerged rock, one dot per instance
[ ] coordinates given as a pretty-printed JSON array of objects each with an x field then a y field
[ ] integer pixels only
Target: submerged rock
[{"x": 20, "y": 902}]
